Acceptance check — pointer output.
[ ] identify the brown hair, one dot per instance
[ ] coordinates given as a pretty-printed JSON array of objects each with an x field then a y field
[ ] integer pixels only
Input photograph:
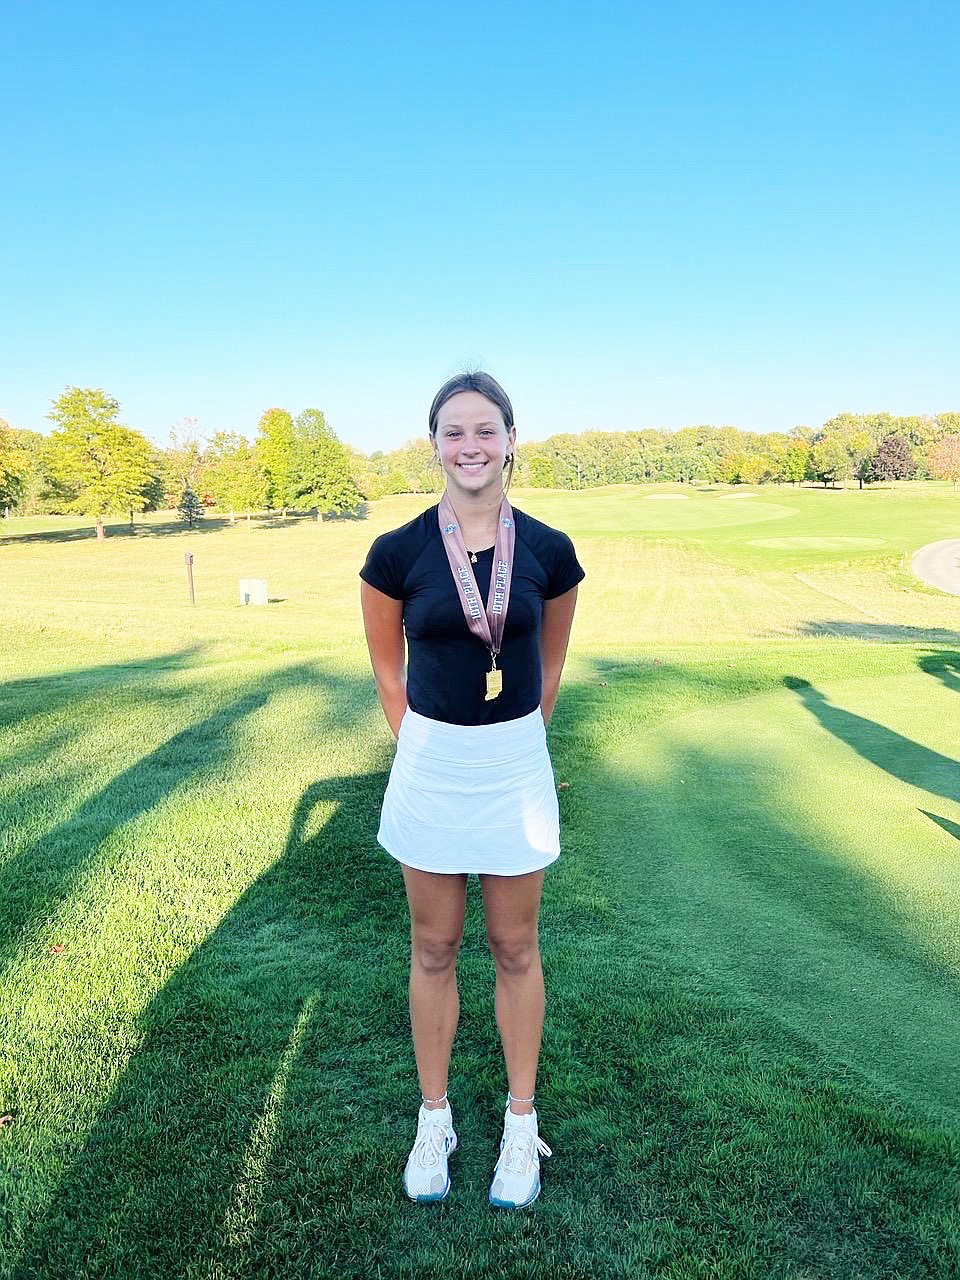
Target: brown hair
[{"x": 476, "y": 380}]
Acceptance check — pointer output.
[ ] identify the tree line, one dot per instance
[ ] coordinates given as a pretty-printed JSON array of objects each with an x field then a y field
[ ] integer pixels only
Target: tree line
[
  {"x": 94, "y": 465},
  {"x": 865, "y": 447}
]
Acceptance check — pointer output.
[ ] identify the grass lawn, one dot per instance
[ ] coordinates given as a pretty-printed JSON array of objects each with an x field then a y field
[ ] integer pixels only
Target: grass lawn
[{"x": 750, "y": 942}]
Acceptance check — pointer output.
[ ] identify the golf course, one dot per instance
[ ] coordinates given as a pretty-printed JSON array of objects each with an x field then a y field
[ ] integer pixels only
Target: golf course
[{"x": 751, "y": 941}]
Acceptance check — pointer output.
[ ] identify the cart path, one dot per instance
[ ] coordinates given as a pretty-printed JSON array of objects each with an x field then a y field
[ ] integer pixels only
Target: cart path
[{"x": 938, "y": 564}]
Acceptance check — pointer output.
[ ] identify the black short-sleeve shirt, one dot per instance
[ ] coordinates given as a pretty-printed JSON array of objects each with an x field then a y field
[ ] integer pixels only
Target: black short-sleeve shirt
[{"x": 446, "y": 662}]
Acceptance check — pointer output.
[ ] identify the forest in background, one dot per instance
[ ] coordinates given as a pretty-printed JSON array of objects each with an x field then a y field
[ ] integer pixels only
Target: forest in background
[{"x": 93, "y": 464}]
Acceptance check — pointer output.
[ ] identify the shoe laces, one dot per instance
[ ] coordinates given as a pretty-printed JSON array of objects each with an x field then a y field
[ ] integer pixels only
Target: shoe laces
[
  {"x": 430, "y": 1145},
  {"x": 519, "y": 1147}
]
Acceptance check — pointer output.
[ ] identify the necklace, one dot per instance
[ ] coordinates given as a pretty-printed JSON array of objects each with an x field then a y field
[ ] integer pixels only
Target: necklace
[{"x": 473, "y": 554}]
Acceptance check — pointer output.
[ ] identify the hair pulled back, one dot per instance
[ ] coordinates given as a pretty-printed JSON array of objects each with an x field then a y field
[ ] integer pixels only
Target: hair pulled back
[{"x": 476, "y": 380}]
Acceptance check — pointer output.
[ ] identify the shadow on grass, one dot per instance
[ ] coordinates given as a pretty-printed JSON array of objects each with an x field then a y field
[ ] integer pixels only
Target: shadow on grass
[
  {"x": 19, "y": 699},
  {"x": 951, "y": 828},
  {"x": 173, "y": 527},
  {"x": 69, "y": 702},
  {"x": 298, "y": 991},
  {"x": 747, "y": 1066},
  {"x": 944, "y": 666},
  {"x": 901, "y": 757},
  {"x": 88, "y": 533},
  {"x": 35, "y": 882},
  {"x": 879, "y": 632}
]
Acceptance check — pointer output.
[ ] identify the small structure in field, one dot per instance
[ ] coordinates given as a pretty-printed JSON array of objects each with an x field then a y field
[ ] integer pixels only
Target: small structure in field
[{"x": 253, "y": 591}]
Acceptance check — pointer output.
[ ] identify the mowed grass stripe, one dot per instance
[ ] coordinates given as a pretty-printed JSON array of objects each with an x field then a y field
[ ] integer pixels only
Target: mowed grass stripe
[
  {"x": 700, "y": 577},
  {"x": 749, "y": 945}
]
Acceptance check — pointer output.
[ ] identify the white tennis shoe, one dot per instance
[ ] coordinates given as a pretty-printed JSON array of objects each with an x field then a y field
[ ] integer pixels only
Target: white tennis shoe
[
  {"x": 516, "y": 1179},
  {"x": 425, "y": 1177}
]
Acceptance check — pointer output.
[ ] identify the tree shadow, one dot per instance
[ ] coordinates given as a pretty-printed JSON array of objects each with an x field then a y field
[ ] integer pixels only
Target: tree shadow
[
  {"x": 32, "y": 739},
  {"x": 705, "y": 862},
  {"x": 167, "y": 528},
  {"x": 246, "y": 1021},
  {"x": 951, "y": 828},
  {"x": 944, "y": 666},
  {"x": 173, "y": 528},
  {"x": 879, "y": 632},
  {"x": 260, "y": 1126},
  {"x": 19, "y": 698},
  {"x": 37, "y": 881},
  {"x": 899, "y": 756}
]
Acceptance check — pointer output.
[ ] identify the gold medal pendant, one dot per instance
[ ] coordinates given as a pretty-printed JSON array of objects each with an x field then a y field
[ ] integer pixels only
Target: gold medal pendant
[{"x": 494, "y": 684}]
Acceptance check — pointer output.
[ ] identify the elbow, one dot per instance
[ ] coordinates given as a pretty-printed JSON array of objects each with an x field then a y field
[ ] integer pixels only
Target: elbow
[{"x": 389, "y": 685}]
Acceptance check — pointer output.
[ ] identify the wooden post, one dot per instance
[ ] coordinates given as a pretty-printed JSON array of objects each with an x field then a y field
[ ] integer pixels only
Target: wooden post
[{"x": 188, "y": 560}]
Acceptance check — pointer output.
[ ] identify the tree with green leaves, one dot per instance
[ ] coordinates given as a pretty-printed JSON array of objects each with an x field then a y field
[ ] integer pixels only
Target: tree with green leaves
[
  {"x": 103, "y": 464},
  {"x": 232, "y": 474},
  {"x": 15, "y": 462},
  {"x": 277, "y": 453},
  {"x": 793, "y": 465},
  {"x": 364, "y": 474},
  {"x": 42, "y": 493},
  {"x": 155, "y": 490},
  {"x": 414, "y": 461},
  {"x": 323, "y": 470},
  {"x": 190, "y": 508},
  {"x": 753, "y": 468},
  {"x": 541, "y": 472},
  {"x": 860, "y": 448},
  {"x": 182, "y": 459},
  {"x": 830, "y": 460}
]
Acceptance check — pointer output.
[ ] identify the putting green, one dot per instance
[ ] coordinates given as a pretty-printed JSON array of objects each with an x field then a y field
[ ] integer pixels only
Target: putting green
[{"x": 751, "y": 820}]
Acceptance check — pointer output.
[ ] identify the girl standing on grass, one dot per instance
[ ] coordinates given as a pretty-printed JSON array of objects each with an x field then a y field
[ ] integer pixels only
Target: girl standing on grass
[{"x": 484, "y": 596}]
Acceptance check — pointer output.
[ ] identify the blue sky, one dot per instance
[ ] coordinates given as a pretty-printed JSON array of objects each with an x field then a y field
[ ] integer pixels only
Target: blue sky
[{"x": 632, "y": 215}]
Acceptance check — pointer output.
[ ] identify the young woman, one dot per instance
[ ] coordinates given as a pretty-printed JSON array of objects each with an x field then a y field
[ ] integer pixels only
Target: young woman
[{"x": 471, "y": 790}]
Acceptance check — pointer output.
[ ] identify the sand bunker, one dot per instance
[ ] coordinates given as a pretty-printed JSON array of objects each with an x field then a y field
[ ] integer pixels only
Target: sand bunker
[
  {"x": 817, "y": 544},
  {"x": 666, "y": 497}
]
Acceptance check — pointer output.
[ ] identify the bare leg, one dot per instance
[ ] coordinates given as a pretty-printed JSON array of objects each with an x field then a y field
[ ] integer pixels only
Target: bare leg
[
  {"x": 437, "y": 904},
  {"x": 511, "y": 907}
]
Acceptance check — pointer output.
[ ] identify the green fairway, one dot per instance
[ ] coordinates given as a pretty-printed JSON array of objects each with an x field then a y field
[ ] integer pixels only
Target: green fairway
[{"x": 750, "y": 941}]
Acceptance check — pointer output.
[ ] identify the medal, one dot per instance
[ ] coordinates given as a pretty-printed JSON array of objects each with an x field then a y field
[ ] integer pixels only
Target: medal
[
  {"x": 494, "y": 683},
  {"x": 486, "y": 624}
]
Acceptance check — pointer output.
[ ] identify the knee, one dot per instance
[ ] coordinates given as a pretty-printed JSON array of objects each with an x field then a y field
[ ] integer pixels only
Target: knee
[
  {"x": 514, "y": 955},
  {"x": 435, "y": 955}
]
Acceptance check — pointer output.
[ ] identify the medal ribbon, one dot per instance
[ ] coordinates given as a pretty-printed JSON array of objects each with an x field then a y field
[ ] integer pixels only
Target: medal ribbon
[{"x": 486, "y": 624}]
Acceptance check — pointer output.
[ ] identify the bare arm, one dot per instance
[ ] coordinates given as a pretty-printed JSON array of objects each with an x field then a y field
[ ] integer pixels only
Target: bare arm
[
  {"x": 383, "y": 624},
  {"x": 554, "y": 636}
]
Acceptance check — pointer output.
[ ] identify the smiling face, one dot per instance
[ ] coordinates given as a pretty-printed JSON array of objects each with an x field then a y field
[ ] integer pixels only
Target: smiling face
[{"x": 473, "y": 442}]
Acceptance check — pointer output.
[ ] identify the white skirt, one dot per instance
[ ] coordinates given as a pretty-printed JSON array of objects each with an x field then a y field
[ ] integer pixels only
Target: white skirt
[{"x": 475, "y": 799}]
